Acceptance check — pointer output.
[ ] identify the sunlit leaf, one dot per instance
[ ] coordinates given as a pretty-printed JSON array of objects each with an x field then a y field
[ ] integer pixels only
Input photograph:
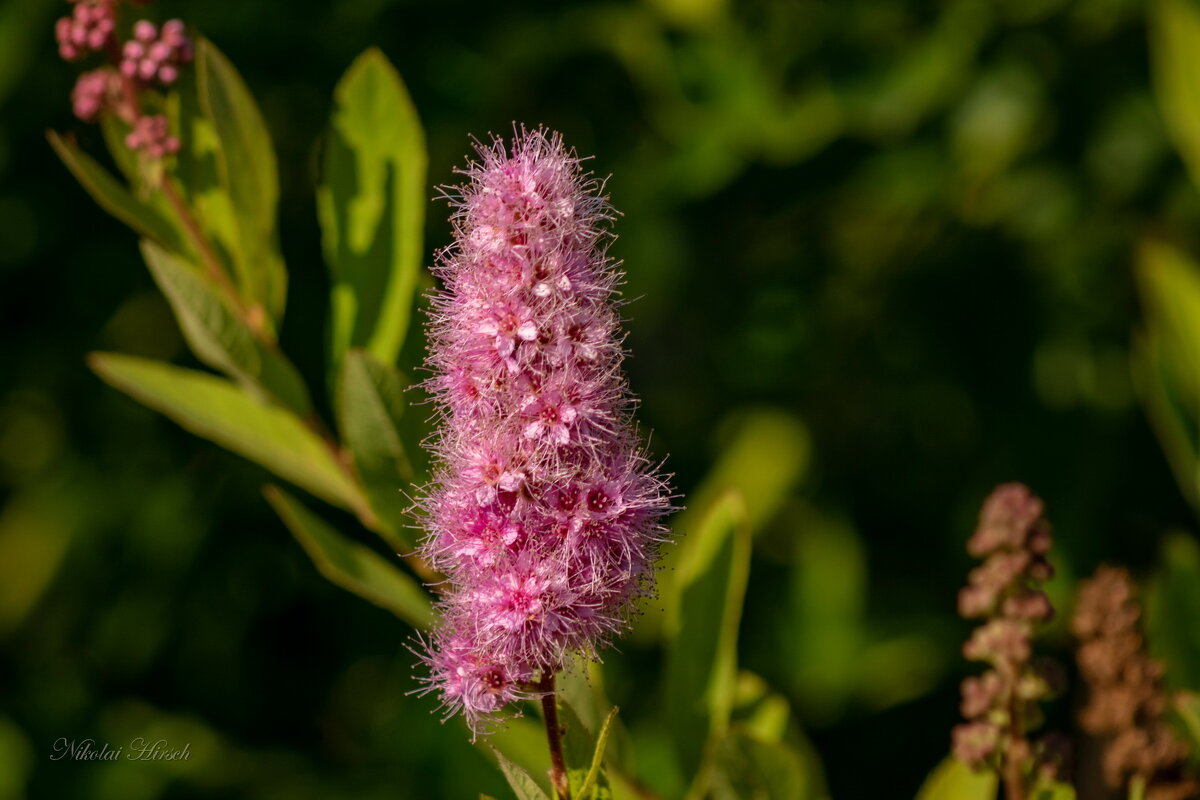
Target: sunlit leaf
[
  {"x": 1175, "y": 52},
  {"x": 198, "y": 166},
  {"x": 954, "y": 780},
  {"x": 351, "y": 565},
  {"x": 246, "y": 163},
  {"x": 222, "y": 412},
  {"x": 1167, "y": 356},
  {"x": 370, "y": 406},
  {"x": 1173, "y": 612},
  {"x": 371, "y": 204},
  {"x": 594, "y": 780},
  {"x": 115, "y": 198},
  {"x": 219, "y": 337},
  {"x": 702, "y": 630},
  {"x": 526, "y": 787},
  {"x": 765, "y": 457}
]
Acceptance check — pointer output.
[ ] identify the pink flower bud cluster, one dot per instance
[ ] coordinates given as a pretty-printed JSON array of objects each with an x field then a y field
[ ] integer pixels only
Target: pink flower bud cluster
[
  {"x": 91, "y": 93},
  {"x": 154, "y": 55},
  {"x": 88, "y": 30},
  {"x": 152, "y": 136},
  {"x": 545, "y": 513},
  {"x": 1000, "y": 705}
]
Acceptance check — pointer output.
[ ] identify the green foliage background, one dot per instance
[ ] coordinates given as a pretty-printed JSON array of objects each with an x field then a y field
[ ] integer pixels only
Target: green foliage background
[{"x": 882, "y": 260}]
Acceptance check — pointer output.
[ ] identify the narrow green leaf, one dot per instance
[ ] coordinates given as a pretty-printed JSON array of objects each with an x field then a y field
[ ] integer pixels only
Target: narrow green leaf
[
  {"x": 198, "y": 168},
  {"x": 702, "y": 630},
  {"x": 352, "y": 566},
  {"x": 1175, "y": 53},
  {"x": 246, "y": 164},
  {"x": 1137, "y": 788},
  {"x": 525, "y": 787},
  {"x": 1187, "y": 706},
  {"x": 116, "y": 198},
  {"x": 1158, "y": 387},
  {"x": 1173, "y": 612},
  {"x": 371, "y": 204},
  {"x": 764, "y": 459},
  {"x": 219, "y": 337},
  {"x": 593, "y": 780},
  {"x": 954, "y": 780},
  {"x": 369, "y": 408},
  {"x": 222, "y": 412}
]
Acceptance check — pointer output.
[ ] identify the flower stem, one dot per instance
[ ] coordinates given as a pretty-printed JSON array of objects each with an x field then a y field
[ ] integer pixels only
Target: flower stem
[{"x": 558, "y": 764}]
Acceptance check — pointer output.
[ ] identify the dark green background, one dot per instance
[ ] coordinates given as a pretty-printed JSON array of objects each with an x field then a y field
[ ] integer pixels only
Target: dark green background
[{"x": 908, "y": 226}]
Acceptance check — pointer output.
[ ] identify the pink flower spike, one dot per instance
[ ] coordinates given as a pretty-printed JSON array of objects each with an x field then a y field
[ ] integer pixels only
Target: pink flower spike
[{"x": 544, "y": 512}]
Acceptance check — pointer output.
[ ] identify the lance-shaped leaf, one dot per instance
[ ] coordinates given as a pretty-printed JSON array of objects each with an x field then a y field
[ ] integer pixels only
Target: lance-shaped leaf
[
  {"x": 1053, "y": 790},
  {"x": 198, "y": 168},
  {"x": 221, "y": 411},
  {"x": 369, "y": 408},
  {"x": 954, "y": 780},
  {"x": 351, "y": 565},
  {"x": 1175, "y": 52},
  {"x": 702, "y": 630},
  {"x": 371, "y": 204},
  {"x": 247, "y": 167},
  {"x": 521, "y": 782},
  {"x": 115, "y": 198},
  {"x": 221, "y": 338},
  {"x": 1167, "y": 356}
]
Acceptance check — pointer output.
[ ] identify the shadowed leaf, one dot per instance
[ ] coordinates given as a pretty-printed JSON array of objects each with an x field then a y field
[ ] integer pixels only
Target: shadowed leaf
[{"x": 351, "y": 565}]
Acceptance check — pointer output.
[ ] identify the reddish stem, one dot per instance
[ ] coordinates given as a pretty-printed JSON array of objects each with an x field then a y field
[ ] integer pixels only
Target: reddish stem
[{"x": 558, "y": 764}]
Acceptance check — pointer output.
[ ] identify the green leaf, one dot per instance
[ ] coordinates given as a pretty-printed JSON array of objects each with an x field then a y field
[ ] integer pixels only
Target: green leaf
[
  {"x": 1173, "y": 612},
  {"x": 219, "y": 337},
  {"x": 116, "y": 198},
  {"x": 702, "y": 630},
  {"x": 371, "y": 204},
  {"x": 1175, "y": 52},
  {"x": 352, "y": 566},
  {"x": 594, "y": 780},
  {"x": 369, "y": 408},
  {"x": 747, "y": 766},
  {"x": 526, "y": 787},
  {"x": 222, "y": 412},
  {"x": 198, "y": 168},
  {"x": 954, "y": 780},
  {"x": 246, "y": 164},
  {"x": 766, "y": 457},
  {"x": 1167, "y": 356},
  {"x": 1137, "y": 788},
  {"x": 523, "y": 741},
  {"x": 1187, "y": 708}
]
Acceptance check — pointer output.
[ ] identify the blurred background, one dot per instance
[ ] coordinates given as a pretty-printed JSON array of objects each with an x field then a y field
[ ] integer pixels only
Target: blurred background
[{"x": 881, "y": 254}]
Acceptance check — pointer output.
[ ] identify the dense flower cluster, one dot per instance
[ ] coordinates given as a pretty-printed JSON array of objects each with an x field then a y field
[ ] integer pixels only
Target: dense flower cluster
[
  {"x": 545, "y": 514},
  {"x": 1013, "y": 538},
  {"x": 152, "y": 136},
  {"x": 1126, "y": 702},
  {"x": 88, "y": 30},
  {"x": 152, "y": 55}
]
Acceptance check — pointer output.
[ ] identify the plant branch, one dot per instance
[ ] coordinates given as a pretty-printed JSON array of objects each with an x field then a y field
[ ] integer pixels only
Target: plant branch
[{"x": 558, "y": 764}]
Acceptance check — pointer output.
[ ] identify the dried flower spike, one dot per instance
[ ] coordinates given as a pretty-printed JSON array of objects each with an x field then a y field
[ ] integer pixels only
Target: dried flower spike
[
  {"x": 545, "y": 513},
  {"x": 1001, "y": 704},
  {"x": 1125, "y": 696}
]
